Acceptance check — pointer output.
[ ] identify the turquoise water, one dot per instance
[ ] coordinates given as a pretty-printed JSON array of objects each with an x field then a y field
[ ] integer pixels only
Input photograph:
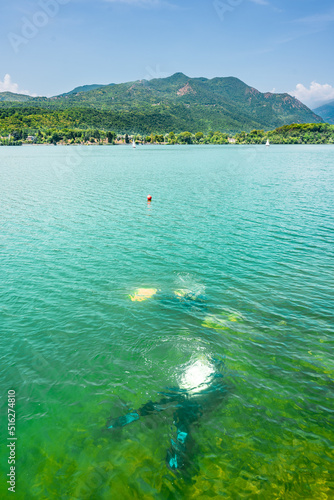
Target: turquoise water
[{"x": 244, "y": 236}]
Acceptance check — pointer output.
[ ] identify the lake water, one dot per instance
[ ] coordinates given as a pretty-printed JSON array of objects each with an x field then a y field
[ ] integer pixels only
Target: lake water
[{"x": 235, "y": 254}]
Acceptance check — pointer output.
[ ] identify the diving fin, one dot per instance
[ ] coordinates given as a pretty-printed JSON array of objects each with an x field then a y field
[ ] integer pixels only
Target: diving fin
[
  {"x": 176, "y": 454},
  {"x": 124, "y": 420}
]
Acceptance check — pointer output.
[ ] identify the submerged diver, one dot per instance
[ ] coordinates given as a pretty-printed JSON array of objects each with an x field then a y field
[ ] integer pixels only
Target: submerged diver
[{"x": 201, "y": 388}]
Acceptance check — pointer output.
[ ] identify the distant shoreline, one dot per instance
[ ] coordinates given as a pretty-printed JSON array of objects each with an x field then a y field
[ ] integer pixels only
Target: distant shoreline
[
  {"x": 151, "y": 145},
  {"x": 309, "y": 133}
]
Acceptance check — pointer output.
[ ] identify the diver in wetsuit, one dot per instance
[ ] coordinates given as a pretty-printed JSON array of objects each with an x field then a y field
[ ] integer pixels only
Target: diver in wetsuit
[{"x": 201, "y": 389}]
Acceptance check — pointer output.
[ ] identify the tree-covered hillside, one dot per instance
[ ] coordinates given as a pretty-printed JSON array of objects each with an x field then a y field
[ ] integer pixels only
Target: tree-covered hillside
[
  {"x": 175, "y": 103},
  {"x": 326, "y": 112},
  {"x": 10, "y": 97}
]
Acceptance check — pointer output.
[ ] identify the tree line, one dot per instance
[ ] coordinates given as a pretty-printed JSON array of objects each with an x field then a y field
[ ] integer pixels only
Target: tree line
[{"x": 311, "y": 133}]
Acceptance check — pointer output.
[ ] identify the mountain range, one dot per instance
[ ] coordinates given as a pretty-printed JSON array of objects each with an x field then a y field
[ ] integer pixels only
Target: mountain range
[
  {"x": 326, "y": 111},
  {"x": 175, "y": 103}
]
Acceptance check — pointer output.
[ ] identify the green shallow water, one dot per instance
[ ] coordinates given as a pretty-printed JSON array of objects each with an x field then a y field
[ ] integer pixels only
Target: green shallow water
[{"x": 247, "y": 230}]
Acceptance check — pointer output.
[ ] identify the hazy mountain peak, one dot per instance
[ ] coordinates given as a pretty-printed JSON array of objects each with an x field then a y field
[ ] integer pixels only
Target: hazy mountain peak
[{"x": 326, "y": 111}]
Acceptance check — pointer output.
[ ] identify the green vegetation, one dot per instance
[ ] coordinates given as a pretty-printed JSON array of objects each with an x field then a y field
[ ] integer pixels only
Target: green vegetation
[
  {"x": 177, "y": 103},
  {"x": 310, "y": 133},
  {"x": 11, "y": 97},
  {"x": 326, "y": 112},
  {"x": 9, "y": 142}
]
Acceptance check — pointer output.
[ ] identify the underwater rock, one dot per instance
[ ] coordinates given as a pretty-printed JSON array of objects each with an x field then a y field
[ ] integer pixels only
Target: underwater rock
[{"x": 221, "y": 321}]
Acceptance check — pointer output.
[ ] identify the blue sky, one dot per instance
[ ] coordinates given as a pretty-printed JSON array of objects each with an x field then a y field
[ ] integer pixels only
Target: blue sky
[{"x": 51, "y": 46}]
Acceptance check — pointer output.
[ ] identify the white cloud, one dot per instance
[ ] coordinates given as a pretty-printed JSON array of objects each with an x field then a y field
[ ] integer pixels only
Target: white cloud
[
  {"x": 316, "y": 22},
  {"x": 326, "y": 18},
  {"x": 315, "y": 95},
  {"x": 8, "y": 86}
]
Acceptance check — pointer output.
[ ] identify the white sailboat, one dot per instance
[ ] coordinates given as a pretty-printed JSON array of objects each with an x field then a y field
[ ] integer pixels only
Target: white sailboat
[
  {"x": 133, "y": 143},
  {"x": 267, "y": 143}
]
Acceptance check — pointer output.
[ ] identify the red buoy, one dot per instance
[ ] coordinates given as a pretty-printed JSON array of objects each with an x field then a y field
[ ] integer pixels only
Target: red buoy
[{"x": 149, "y": 198}]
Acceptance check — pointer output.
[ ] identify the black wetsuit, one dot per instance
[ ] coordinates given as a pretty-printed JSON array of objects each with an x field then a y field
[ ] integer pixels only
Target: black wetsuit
[{"x": 188, "y": 409}]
